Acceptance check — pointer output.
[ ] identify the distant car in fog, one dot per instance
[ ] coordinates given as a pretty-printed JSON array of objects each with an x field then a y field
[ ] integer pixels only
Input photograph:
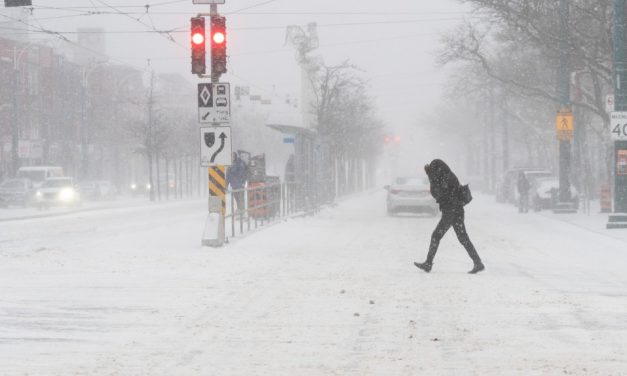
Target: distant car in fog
[
  {"x": 140, "y": 189},
  {"x": 57, "y": 192},
  {"x": 410, "y": 194},
  {"x": 18, "y": 192},
  {"x": 545, "y": 193},
  {"x": 97, "y": 190},
  {"x": 506, "y": 190}
]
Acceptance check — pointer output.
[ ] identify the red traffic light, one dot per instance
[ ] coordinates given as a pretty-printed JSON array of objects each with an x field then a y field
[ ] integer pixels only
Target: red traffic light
[
  {"x": 219, "y": 38},
  {"x": 218, "y": 45},
  {"x": 198, "y": 45},
  {"x": 198, "y": 38}
]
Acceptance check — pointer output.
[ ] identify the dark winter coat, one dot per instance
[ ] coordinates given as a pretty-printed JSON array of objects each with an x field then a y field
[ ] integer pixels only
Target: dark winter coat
[
  {"x": 523, "y": 185},
  {"x": 237, "y": 174},
  {"x": 445, "y": 187}
]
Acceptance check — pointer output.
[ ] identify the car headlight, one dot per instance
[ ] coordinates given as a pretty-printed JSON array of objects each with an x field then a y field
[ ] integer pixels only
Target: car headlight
[
  {"x": 67, "y": 194},
  {"x": 133, "y": 186},
  {"x": 148, "y": 186},
  {"x": 39, "y": 194}
]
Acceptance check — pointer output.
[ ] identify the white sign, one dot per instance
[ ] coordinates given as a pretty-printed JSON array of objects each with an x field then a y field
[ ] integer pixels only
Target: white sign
[
  {"x": 618, "y": 125},
  {"x": 214, "y": 103},
  {"x": 609, "y": 103},
  {"x": 207, "y": 1},
  {"x": 215, "y": 146}
]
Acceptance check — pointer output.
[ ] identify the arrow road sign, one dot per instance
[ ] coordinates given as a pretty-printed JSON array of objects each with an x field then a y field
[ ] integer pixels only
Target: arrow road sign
[
  {"x": 214, "y": 103},
  {"x": 215, "y": 146}
]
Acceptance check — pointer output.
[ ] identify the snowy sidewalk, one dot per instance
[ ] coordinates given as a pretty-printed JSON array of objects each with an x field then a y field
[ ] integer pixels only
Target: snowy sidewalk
[{"x": 132, "y": 293}]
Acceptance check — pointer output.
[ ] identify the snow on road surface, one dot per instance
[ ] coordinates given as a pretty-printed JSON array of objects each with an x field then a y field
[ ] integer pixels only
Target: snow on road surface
[{"x": 131, "y": 292}]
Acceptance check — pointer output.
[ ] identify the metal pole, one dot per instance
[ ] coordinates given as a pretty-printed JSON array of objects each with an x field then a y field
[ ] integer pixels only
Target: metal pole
[
  {"x": 619, "y": 218},
  {"x": 15, "y": 129},
  {"x": 620, "y": 89},
  {"x": 564, "y": 197}
]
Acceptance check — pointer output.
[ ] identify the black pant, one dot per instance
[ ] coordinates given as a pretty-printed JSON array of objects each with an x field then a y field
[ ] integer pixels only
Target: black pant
[
  {"x": 452, "y": 217},
  {"x": 523, "y": 204},
  {"x": 239, "y": 200}
]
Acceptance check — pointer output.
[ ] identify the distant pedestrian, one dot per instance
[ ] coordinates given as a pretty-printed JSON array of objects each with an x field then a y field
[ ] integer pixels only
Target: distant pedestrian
[
  {"x": 236, "y": 178},
  {"x": 523, "y": 192},
  {"x": 452, "y": 197}
]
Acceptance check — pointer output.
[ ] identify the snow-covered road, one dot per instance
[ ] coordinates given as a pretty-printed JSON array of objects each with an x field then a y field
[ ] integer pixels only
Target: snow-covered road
[{"x": 130, "y": 292}]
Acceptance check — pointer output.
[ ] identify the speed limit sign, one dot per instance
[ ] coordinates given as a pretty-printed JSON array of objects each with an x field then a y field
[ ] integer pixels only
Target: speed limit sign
[{"x": 618, "y": 125}]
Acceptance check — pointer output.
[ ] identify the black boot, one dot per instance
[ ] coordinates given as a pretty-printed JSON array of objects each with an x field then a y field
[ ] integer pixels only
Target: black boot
[
  {"x": 478, "y": 267},
  {"x": 426, "y": 266}
]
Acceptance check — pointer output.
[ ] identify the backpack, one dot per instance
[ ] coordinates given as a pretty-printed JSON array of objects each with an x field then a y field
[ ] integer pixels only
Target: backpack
[{"x": 464, "y": 194}]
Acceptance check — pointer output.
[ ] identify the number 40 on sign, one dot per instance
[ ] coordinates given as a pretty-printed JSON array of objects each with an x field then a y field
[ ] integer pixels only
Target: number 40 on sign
[{"x": 618, "y": 125}]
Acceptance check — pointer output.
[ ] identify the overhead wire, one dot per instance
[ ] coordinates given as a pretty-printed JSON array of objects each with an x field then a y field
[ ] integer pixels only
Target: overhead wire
[
  {"x": 163, "y": 33},
  {"x": 66, "y": 40}
]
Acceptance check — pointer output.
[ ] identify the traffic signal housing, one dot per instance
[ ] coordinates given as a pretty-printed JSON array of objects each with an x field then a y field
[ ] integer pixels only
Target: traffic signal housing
[
  {"x": 218, "y": 46},
  {"x": 199, "y": 65}
]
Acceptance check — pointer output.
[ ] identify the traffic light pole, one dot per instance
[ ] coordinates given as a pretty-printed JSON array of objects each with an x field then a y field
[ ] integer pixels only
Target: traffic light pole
[
  {"x": 619, "y": 218},
  {"x": 214, "y": 235},
  {"x": 565, "y": 203}
]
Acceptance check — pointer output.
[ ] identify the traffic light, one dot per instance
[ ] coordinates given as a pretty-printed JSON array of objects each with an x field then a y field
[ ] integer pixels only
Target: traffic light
[
  {"x": 218, "y": 45},
  {"x": 198, "y": 45}
]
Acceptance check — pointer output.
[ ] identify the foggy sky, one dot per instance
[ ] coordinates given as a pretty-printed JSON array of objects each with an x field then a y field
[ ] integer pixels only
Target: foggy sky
[{"x": 397, "y": 57}]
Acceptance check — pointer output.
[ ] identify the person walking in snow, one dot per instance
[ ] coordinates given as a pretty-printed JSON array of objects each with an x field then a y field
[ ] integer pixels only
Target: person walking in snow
[
  {"x": 236, "y": 177},
  {"x": 523, "y": 192},
  {"x": 447, "y": 191}
]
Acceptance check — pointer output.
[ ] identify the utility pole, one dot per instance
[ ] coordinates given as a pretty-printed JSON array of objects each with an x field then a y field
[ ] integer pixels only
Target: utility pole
[
  {"x": 15, "y": 127},
  {"x": 619, "y": 123},
  {"x": 151, "y": 144},
  {"x": 564, "y": 120}
]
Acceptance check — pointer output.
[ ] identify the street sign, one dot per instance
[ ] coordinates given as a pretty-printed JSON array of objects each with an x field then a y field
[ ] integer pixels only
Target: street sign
[
  {"x": 214, "y": 103},
  {"x": 564, "y": 125},
  {"x": 207, "y": 1},
  {"x": 609, "y": 103},
  {"x": 618, "y": 126},
  {"x": 215, "y": 146},
  {"x": 289, "y": 140}
]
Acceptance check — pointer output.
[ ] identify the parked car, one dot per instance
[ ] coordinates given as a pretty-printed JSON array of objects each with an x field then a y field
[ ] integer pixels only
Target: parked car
[
  {"x": 97, "y": 190},
  {"x": 17, "y": 191},
  {"x": 38, "y": 174},
  {"x": 57, "y": 192},
  {"x": 410, "y": 194},
  {"x": 545, "y": 193},
  {"x": 506, "y": 190}
]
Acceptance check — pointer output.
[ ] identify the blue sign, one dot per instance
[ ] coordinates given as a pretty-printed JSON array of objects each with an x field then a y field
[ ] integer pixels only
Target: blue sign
[{"x": 288, "y": 140}]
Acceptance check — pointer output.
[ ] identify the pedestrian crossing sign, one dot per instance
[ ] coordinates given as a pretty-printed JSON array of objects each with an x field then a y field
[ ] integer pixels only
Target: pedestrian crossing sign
[{"x": 564, "y": 125}]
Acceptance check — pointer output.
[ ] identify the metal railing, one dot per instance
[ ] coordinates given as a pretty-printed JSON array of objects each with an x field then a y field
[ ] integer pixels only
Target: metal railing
[{"x": 259, "y": 204}]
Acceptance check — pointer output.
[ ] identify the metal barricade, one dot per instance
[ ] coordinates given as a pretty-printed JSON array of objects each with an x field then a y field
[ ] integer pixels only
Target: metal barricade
[{"x": 259, "y": 204}]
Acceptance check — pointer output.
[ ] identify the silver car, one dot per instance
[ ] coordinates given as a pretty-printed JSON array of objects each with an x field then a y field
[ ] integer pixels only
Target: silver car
[
  {"x": 57, "y": 192},
  {"x": 410, "y": 194}
]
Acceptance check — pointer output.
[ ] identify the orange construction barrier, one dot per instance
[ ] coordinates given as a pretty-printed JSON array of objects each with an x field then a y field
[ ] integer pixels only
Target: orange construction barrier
[
  {"x": 257, "y": 197},
  {"x": 606, "y": 199}
]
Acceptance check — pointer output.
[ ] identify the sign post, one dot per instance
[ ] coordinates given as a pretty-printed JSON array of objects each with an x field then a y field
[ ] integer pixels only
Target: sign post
[
  {"x": 618, "y": 120},
  {"x": 214, "y": 109}
]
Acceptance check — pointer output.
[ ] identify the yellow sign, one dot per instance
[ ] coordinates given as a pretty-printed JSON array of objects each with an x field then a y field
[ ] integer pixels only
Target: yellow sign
[{"x": 564, "y": 125}]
